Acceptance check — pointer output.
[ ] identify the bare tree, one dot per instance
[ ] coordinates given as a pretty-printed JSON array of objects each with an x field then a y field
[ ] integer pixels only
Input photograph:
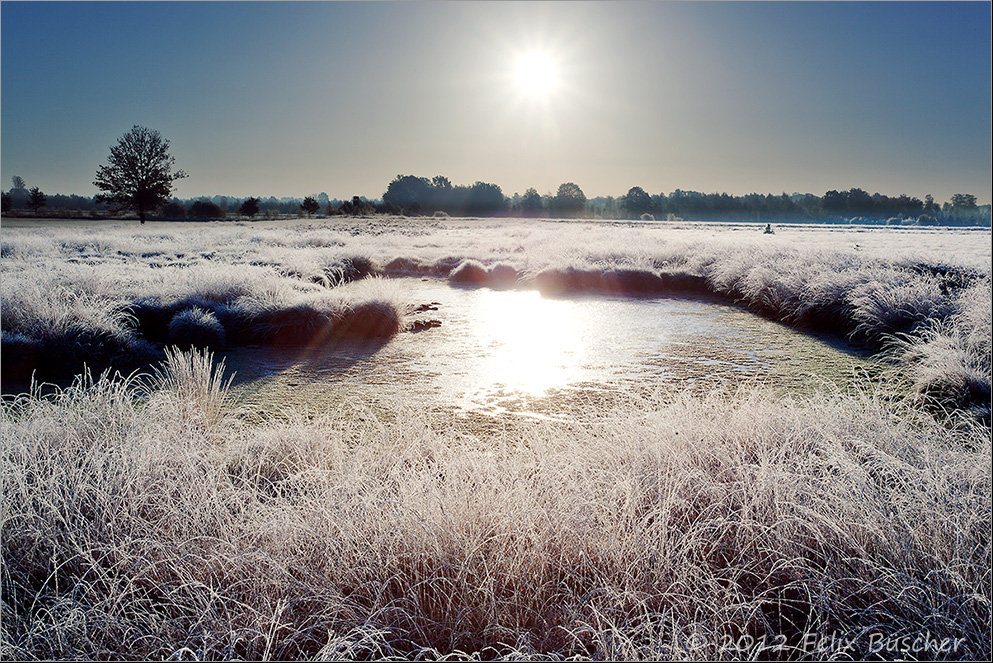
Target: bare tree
[{"x": 138, "y": 175}]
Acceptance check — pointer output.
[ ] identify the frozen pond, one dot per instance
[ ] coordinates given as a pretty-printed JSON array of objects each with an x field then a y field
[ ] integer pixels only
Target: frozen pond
[{"x": 499, "y": 351}]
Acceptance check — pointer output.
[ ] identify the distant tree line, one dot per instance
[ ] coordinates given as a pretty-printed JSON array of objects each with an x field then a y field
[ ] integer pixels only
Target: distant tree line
[
  {"x": 421, "y": 196},
  {"x": 408, "y": 194}
]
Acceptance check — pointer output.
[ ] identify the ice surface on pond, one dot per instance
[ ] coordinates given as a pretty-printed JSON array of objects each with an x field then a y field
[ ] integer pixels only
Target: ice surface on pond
[{"x": 518, "y": 351}]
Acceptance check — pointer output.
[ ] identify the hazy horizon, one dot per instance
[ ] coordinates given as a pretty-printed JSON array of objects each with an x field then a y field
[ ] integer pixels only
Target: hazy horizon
[{"x": 288, "y": 99}]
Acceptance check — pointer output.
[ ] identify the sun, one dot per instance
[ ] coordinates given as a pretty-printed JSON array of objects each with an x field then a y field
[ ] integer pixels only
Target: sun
[{"x": 536, "y": 74}]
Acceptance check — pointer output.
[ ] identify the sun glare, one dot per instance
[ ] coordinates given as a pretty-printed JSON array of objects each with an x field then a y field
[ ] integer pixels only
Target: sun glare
[
  {"x": 536, "y": 74},
  {"x": 534, "y": 343}
]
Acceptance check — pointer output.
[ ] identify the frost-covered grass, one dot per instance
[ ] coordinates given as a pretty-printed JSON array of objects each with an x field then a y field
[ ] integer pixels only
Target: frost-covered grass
[
  {"x": 144, "y": 520},
  {"x": 148, "y": 517},
  {"x": 202, "y": 285},
  {"x": 108, "y": 294}
]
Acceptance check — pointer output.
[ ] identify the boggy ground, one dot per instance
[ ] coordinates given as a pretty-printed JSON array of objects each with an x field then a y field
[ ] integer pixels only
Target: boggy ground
[
  {"x": 145, "y": 518},
  {"x": 113, "y": 295}
]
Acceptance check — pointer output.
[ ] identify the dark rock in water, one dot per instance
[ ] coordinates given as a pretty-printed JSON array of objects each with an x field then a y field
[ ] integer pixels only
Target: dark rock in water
[
  {"x": 473, "y": 272},
  {"x": 618, "y": 281},
  {"x": 304, "y": 325},
  {"x": 433, "y": 306},
  {"x": 422, "y": 325}
]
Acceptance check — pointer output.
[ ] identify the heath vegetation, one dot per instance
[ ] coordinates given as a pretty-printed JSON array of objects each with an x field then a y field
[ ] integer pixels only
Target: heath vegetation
[{"x": 151, "y": 516}]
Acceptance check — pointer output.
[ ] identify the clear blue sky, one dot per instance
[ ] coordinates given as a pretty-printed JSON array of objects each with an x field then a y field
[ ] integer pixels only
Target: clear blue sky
[{"x": 291, "y": 99}]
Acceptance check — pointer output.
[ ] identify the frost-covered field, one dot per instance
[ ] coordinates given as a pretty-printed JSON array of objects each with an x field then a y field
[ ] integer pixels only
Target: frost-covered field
[
  {"x": 143, "y": 518},
  {"x": 112, "y": 294}
]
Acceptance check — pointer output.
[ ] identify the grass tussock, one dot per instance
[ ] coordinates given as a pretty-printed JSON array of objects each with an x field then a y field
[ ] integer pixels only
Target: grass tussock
[
  {"x": 196, "y": 328},
  {"x": 472, "y": 272},
  {"x": 59, "y": 316},
  {"x": 949, "y": 362},
  {"x": 144, "y": 519}
]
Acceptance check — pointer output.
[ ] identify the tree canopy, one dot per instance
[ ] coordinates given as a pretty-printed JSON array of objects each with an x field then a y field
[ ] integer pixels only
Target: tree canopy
[
  {"x": 37, "y": 199},
  {"x": 530, "y": 204},
  {"x": 206, "y": 209},
  {"x": 637, "y": 201},
  {"x": 138, "y": 175},
  {"x": 411, "y": 194},
  {"x": 251, "y": 207},
  {"x": 570, "y": 199},
  {"x": 310, "y": 205}
]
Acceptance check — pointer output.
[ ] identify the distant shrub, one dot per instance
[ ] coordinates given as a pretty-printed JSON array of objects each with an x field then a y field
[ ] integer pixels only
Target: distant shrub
[
  {"x": 441, "y": 214},
  {"x": 355, "y": 207},
  {"x": 647, "y": 217},
  {"x": 196, "y": 328},
  {"x": 926, "y": 220},
  {"x": 250, "y": 207},
  {"x": 205, "y": 209},
  {"x": 310, "y": 206},
  {"x": 173, "y": 210}
]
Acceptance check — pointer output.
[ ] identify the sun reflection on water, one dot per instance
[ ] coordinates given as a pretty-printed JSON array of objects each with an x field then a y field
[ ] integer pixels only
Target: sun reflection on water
[{"x": 534, "y": 343}]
